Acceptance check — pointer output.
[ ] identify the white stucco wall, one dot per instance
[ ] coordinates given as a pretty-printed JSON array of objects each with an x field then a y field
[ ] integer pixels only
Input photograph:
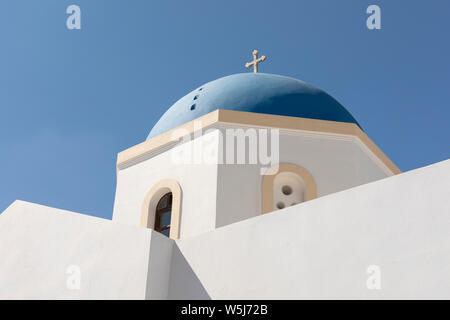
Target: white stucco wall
[
  {"x": 198, "y": 183},
  {"x": 322, "y": 248},
  {"x": 214, "y": 195},
  {"x": 38, "y": 244},
  {"x": 318, "y": 249},
  {"x": 336, "y": 163}
]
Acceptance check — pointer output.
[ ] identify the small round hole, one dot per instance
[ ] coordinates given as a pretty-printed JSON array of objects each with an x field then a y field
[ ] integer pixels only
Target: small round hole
[
  {"x": 287, "y": 190},
  {"x": 200, "y": 89},
  {"x": 193, "y": 107},
  {"x": 280, "y": 205},
  {"x": 195, "y": 97}
]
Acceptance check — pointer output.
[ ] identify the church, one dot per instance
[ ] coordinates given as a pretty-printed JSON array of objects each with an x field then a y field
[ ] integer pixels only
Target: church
[{"x": 251, "y": 186}]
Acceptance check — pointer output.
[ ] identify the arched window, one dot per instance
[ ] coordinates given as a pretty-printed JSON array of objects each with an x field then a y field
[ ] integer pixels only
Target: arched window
[
  {"x": 161, "y": 208},
  {"x": 163, "y": 214},
  {"x": 285, "y": 185}
]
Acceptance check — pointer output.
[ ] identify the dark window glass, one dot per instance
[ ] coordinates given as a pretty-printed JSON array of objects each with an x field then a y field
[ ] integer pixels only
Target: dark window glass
[
  {"x": 163, "y": 214},
  {"x": 165, "y": 219}
]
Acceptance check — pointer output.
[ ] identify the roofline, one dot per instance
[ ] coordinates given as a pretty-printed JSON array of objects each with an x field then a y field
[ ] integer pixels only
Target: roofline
[{"x": 143, "y": 150}]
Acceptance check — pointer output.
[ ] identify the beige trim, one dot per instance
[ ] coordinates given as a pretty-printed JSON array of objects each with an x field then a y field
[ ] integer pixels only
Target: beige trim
[
  {"x": 151, "y": 200},
  {"x": 269, "y": 178},
  {"x": 157, "y": 142},
  {"x": 253, "y": 119}
]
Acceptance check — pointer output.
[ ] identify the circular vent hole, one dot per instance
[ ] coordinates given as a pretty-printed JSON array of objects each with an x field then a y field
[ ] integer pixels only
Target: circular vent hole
[
  {"x": 287, "y": 190},
  {"x": 193, "y": 107},
  {"x": 280, "y": 205}
]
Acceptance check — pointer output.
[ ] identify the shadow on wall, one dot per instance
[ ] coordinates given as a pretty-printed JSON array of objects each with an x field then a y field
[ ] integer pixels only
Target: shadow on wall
[{"x": 184, "y": 283}]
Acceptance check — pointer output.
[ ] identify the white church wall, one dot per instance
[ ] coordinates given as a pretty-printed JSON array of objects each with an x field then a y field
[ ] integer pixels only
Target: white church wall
[
  {"x": 183, "y": 280},
  {"x": 158, "y": 276},
  {"x": 40, "y": 245},
  {"x": 336, "y": 163},
  {"x": 324, "y": 248},
  {"x": 238, "y": 193},
  {"x": 198, "y": 182},
  {"x": 214, "y": 196}
]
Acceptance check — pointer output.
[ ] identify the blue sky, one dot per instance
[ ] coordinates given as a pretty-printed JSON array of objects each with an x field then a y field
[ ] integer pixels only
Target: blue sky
[{"x": 70, "y": 100}]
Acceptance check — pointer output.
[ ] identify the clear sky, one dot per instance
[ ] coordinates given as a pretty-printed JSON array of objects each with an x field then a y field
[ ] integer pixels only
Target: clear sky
[{"x": 70, "y": 100}]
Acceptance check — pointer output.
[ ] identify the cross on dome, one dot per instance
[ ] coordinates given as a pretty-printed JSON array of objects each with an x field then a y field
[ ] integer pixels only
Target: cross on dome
[{"x": 255, "y": 61}]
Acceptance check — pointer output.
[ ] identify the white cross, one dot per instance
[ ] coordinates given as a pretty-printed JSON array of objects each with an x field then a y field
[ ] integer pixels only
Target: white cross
[{"x": 255, "y": 61}]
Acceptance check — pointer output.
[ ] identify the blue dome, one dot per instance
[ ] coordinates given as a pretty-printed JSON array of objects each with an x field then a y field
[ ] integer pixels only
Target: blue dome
[{"x": 254, "y": 92}]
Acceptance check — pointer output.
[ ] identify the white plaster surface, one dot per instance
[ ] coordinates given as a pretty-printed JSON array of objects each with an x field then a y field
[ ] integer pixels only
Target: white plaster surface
[
  {"x": 322, "y": 248},
  {"x": 336, "y": 163},
  {"x": 318, "y": 249},
  {"x": 215, "y": 195},
  {"x": 198, "y": 184},
  {"x": 38, "y": 244}
]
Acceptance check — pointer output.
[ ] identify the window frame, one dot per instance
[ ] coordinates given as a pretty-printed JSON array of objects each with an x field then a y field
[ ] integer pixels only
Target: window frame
[{"x": 151, "y": 199}]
